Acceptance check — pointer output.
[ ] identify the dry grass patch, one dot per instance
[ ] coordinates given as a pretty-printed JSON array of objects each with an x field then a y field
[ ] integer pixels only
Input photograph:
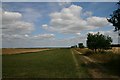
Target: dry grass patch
[
  {"x": 20, "y": 50},
  {"x": 116, "y": 50}
]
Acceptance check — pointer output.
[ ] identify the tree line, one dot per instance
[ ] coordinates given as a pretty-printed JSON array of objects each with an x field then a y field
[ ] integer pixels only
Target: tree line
[{"x": 96, "y": 41}]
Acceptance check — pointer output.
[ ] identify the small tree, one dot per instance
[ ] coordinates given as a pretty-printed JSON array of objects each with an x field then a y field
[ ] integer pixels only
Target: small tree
[
  {"x": 72, "y": 46},
  {"x": 80, "y": 45},
  {"x": 98, "y": 41},
  {"x": 75, "y": 46}
]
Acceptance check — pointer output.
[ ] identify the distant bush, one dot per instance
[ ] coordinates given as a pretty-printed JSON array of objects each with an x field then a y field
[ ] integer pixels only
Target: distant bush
[{"x": 80, "y": 45}]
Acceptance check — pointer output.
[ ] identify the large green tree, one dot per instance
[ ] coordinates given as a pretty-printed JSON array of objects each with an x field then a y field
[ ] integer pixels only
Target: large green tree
[
  {"x": 115, "y": 18},
  {"x": 98, "y": 41}
]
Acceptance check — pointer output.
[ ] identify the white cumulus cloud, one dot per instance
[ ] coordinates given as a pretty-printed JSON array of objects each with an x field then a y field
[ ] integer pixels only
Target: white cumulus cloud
[
  {"x": 97, "y": 21},
  {"x": 44, "y": 36},
  {"x": 69, "y": 20},
  {"x": 18, "y": 33},
  {"x": 12, "y": 23}
]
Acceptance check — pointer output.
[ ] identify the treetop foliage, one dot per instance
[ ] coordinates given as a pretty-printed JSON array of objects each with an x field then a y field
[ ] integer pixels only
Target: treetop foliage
[{"x": 115, "y": 18}]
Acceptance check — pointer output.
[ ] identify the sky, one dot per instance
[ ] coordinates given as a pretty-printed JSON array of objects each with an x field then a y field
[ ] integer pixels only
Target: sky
[{"x": 54, "y": 24}]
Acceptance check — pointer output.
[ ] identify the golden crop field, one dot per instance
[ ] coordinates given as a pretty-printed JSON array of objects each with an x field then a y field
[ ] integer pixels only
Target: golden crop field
[{"x": 116, "y": 50}]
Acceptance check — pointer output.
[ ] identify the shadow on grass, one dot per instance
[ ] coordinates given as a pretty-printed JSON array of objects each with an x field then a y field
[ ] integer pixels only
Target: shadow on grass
[{"x": 112, "y": 67}]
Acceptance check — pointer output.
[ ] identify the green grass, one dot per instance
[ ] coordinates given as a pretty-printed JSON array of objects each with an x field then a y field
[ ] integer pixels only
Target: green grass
[{"x": 57, "y": 63}]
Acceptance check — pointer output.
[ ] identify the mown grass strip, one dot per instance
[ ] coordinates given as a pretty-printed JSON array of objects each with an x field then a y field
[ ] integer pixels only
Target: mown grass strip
[
  {"x": 83, "y": 70},
  {"x": 77, "y": 65}
]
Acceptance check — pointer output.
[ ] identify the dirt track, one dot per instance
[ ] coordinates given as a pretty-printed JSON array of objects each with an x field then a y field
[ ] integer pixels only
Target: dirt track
[
  {"x": 96, "y": 70},
  {"x": 18, "y": 51}
]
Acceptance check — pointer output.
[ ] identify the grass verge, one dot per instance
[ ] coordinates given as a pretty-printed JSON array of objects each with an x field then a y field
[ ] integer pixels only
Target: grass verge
[
  {"x": 107, "y": 59},
  {"x": 111, "y": 62}
]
